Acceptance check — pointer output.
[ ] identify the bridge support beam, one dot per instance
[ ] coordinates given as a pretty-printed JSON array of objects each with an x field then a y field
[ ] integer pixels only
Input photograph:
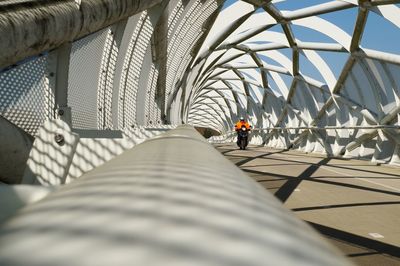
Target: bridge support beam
[
  {"x": 172, "y": 200},
  {"x": 30, "y": 29},
  {"x": 14, "y": 152}
]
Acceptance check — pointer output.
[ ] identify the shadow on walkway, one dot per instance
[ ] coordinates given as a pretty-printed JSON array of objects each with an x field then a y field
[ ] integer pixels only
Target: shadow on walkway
[
  {"x": 276, "y": 174},
  {"x": 362, "y": 243},
  {"x": 287, "y": 189}
]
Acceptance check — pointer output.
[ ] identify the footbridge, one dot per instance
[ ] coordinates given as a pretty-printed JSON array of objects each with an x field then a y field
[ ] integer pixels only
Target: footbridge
[{"x": 101, "y": 164}]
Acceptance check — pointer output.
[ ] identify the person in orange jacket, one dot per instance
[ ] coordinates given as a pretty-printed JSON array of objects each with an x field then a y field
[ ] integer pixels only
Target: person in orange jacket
[
  {"x": 242, "y": 135},
  {"x": 241, "y": 123}
]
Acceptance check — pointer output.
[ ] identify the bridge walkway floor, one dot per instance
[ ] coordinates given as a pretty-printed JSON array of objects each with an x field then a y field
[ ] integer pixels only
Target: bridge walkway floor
[{"x": 353, "y": 203}]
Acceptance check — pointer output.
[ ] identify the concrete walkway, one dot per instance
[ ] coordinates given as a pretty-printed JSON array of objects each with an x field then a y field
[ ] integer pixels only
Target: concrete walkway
[{"x": 355, "y": 204}]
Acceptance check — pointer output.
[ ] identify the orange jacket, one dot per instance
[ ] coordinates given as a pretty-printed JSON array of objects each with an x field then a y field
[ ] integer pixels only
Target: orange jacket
[{"x": 239, "y": 125}]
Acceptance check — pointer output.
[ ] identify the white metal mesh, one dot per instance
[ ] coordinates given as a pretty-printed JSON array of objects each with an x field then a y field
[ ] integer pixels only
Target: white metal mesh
[
  {"x": 174, "y": 17},
  {"x": 185, "y": 36},
  {"x": 152, "y": 110},
  {"x": 176, "y": 55},
  {"x": 132, "y": 69},
  {"x": 85, "y": 65},
  {"x": 25, "y": 98},
  {"x": 106, "y": 81}
]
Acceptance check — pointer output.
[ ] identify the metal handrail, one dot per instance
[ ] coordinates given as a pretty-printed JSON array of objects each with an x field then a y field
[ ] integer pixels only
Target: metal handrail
[{"x": 172, "y": 200}]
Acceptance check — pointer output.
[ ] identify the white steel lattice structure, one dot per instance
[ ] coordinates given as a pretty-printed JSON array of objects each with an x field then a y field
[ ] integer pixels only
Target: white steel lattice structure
[
  {"x": 206, "y": 63},
  {"x": 185, "y": 62},
  {"x": 252, "y": 64},
  {"x": 84, "y": 81}
]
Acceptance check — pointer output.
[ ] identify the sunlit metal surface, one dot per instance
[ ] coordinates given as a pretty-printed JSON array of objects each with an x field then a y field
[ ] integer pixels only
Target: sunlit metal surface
[{"x": 172, "y": 200}]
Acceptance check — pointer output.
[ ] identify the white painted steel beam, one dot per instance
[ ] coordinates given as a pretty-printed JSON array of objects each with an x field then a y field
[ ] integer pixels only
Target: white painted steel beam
[
  {"x": 30, "y": 29},
  {"x": 176, "y": 183},
  {"x": 316, "y": 10}
]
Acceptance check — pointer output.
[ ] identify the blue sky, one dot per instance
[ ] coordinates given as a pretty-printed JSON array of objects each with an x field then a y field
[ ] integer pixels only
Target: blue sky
[{"x": 379, "y": 34}]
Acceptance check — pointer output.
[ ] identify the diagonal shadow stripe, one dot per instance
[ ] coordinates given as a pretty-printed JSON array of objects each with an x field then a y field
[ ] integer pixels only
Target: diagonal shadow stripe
[
  {"x": 345, "y": 205},
  {"x": 225, "y": 152},
  {"x": 363, "y": 254},
  {"x": 357, "y": 240},
  {"x": 353, "y": 168},
  {"x": 287, "y": 189},
  {"x": 282, "y": 177},
  {"x": 355, "y": 186},
  {"x": 256, "y": 157}
]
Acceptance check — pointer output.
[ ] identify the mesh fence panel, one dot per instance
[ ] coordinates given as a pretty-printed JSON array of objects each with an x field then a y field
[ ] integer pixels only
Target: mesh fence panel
[
  {"x": 132, "y": 70},
  {"x": 174, "y": 17},
  {"x": 187, "y": 33},
  {"x": 108, "y": 64},
  {"x": 84, "y": 71},
  {"x": 152, "y": 110},
  {"x": 25, "y": 98}
]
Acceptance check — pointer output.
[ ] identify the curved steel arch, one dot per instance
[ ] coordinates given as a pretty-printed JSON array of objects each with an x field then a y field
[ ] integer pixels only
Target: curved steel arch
[
  {"x": 310, "y": 100},
  {"x": 158, "y": 64}
]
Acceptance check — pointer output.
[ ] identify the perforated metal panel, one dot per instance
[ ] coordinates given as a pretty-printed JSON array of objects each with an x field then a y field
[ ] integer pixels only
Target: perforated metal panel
[
  {"x": 83, "y": 84},
  {"x": 178, "y": 39},
  {"x": 152, "y": 110},
  {"x": 185, "y": 36},
  {"x": 174, "y": 17},
  {"x": 105, "y": 90},
  {"x": 25, "y": 98},
  {"x": 132, "y": 69}
]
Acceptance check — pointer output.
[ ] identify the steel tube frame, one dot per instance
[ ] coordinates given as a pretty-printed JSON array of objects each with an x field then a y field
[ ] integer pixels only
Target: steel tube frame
[
  {"x": 27, "y": 29},
  {"x": 163, "y": 203}
]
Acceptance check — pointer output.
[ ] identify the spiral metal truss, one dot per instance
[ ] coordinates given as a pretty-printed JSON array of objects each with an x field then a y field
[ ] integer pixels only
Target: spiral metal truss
[
  {"x": 256, "y": 63},
  {"x": 295, "y": 69}
]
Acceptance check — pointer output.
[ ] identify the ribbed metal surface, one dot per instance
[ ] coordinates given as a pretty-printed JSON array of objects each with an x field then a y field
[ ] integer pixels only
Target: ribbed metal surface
[{"x": 174, "y": 18}]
